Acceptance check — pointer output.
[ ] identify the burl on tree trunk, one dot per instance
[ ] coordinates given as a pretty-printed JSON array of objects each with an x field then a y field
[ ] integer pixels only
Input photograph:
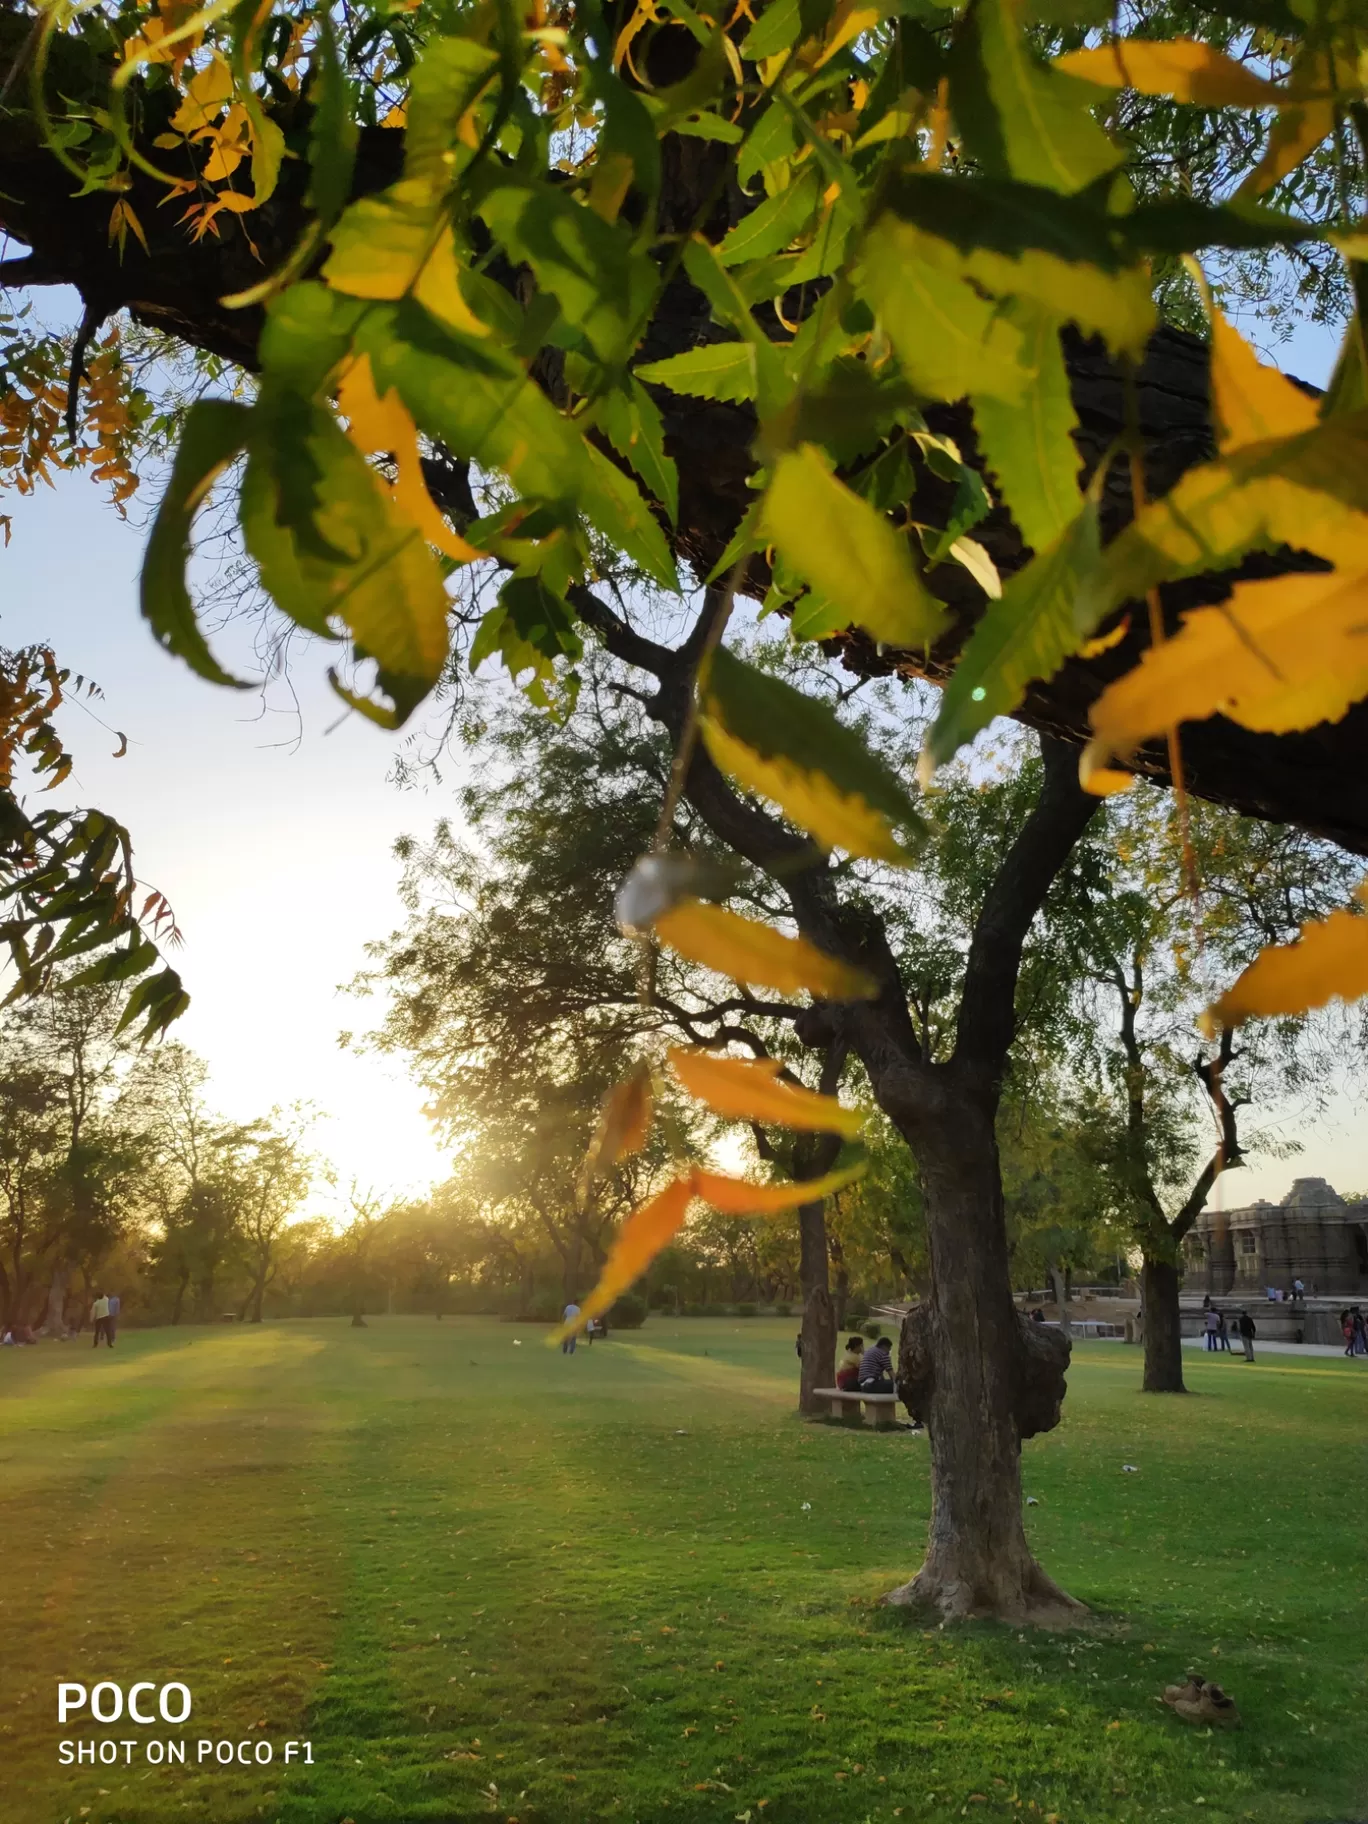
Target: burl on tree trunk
[
  {"x": 981, "y": 1378},
  {"x": 1163, "y": 1327}
]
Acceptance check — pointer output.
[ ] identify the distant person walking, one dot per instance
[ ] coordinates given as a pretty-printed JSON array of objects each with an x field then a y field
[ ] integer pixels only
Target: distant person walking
[
  {"x": 99, "y": 1312},
  {"x": 876, "y": 1367},
  {"x": 1245, "y": 1324},
  {"x": 569, "y": 1315},
  {"x": 1213, "y": 1326},
  {"x": 112, "y": 1321},
  {"x": 1359, "y": 1331},
  {"x": 1223, "y": 1334}
]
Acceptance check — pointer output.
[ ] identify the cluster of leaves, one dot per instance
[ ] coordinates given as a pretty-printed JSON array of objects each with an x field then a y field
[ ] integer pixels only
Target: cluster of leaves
[
  {"x": 35, "y": 390},
  {"x": 902, "y": 205},
  {"x": 67, "y": 887}
]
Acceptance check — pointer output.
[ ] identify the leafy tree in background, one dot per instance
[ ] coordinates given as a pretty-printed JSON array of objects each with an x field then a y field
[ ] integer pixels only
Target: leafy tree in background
[{"x": 1147, "y": 954}]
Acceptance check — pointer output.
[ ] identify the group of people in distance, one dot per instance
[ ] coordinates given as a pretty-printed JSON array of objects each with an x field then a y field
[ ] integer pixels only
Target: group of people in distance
[
  {"x": 1218, "y": 1331},
  {"x": 104, "y": 1314},
  {"x": 866, "y": 1370},
  {"x": 1354, "y": 1331}
]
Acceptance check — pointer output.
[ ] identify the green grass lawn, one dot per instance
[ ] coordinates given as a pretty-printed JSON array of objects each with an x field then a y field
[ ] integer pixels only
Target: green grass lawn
[{"x": 489, "y": 1582}]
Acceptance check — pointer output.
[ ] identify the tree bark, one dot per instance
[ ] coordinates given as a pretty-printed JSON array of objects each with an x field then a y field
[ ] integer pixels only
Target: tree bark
[
  {"x": 1060, "y": 1286},
  {"x": 55, "y": 1321},
  {"x": 180, "y": 1295},
  {"x": 981, "y": 1379},
  {"x": 1162, "y": 1327},
  {"x": 818, "y": 1365}
]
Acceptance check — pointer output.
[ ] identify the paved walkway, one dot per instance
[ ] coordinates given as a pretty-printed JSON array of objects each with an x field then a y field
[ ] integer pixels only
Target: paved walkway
[{"x": 1263, "y": 1348}]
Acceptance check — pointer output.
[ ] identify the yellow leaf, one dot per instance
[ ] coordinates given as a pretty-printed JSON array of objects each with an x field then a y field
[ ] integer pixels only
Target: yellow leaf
[
  {"x": 738, "y": 1197},
  {"x": 850, "y": 22},
  {"x": 1328, "y": 959},
  {"x": 438, "y": 289},
  {"x": 837, "y": 819},
  {"x": 1281, "y": 654},
  {"x": 847, "y": 551},
  {"x": 1093, "y": 649},
  {"x": 383, "y": 424},
  {"x": 1095, "y": 776},
  {"x": 758, "y": 956},
  {"x": 623, "y": 1125},
  {"x": 1180, "y": 67},
  {"x": 388, "y": 245},
  {"x": 206, "y": 94},
  {"x": 752, "y": 1090},
  {"x": 1300, "y": 125},
  {"x": 641, "y": 1237},
  {"x": 1250, "y": 402}
]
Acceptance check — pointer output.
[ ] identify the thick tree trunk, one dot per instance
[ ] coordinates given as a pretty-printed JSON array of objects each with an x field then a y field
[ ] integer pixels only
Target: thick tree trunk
[
  {"x": 1162, "y": 1327},
  {"x": 818, "y": 1366},
  {"x": 55, "y": 1321},
  {"x": 1060, "y": 1286},
  {"x": 180, "y": 1296},
  {"x": 840, "y": 1292},
  {"x": 981, "y": 1379}
]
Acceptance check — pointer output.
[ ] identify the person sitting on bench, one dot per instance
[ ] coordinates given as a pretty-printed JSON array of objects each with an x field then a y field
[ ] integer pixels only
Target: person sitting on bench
[
  {"x": 848, "y": 1374},
  {"x": 876, "y": 1367}
]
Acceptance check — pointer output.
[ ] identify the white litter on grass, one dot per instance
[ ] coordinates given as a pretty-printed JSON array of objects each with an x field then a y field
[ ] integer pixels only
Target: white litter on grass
[
  {"x": 807, "y": 1507},
  {"x": 681, "y": 1434},
  {"x": 1031, "y": 1501},
  {"x": 1131, "y": 1469},
  {"x": 517, "y": 1342}
]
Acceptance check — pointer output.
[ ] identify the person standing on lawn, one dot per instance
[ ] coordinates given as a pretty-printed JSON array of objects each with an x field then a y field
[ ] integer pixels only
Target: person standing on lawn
[
  {"x": 112, "y": 1321},
  {"x": 1213, "y": 1325},
  {"x": 1223, "y": 1333},
  {"x": 1245, "y": 1325},
  {"x": 570, "y": 1313},
  {"x": 99, "y": 1311}
]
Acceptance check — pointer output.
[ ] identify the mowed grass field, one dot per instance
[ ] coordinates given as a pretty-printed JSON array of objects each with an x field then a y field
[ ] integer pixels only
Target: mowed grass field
[{"x": 486, "y": 1581}]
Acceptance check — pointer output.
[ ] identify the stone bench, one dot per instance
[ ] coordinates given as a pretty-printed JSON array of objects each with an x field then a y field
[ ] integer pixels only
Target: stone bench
[{"x": 878, "y": 1408}]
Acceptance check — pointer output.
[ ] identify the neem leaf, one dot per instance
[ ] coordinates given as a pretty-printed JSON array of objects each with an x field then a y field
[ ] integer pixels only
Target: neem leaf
[
  {"x": 530, "y": 627},
  {"x": 739, "y": 1197},
  {"x": 358, "y": 562},
  {"x": 847, "y": 551},
  {"x": 645, "y": 1232},
  {"x": 1250, "y": 402},
  {"x": 602, "y": 282},
  {"x": 950, "y": 339},
  {"x": 774, "y": 224},
  {"x": 1026, "y": 634},
  {"x": 1280, "y": 654},
  {"x": 752, "y": 1090},
  {"x": 1030, "y": 446},
  {"x": 1309, "y": 492},
  {"x": 624, "y": 1123},
  {"x": 785, "y": 745},
  {"x": 1020, "y": 117},
  {"x": 617, "y": 507},
  {"x": 715, "y": 370},
  {"x": 1329, "y": 959},
  {"x": 632, "y": 422},
  {"x": 214, "y": 434},
  {"x": 756, "y": 955},
  {"x": 1181, "y": 67}
]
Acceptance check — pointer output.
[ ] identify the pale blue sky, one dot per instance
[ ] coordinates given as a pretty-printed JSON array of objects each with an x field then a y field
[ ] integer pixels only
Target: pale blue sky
[{"x": 275, "y": 853}]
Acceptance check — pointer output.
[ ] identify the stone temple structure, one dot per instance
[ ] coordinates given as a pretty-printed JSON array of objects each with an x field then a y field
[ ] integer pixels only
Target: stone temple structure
[{"x": 1312, "y": 1235}]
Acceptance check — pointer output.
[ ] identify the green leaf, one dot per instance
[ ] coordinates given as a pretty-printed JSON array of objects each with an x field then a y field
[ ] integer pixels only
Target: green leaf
[
  {"x": 332, "y": 131},
  {"x": 950, "y": 339},
  {"x": 848, "y": 413},
  {"x": 776, "y": 741},
  {"x": 1026, "y": 634},
  {"x": 1018, "y": 240},
  {"x": 358, "y": 563},
  {"x": 632, "y": 422},
  {"x": 778, "y": 27},
  {"x": 1029, "y": 446},
  {"x": 214, "y": 434},
  {"x": 1348, "y": 388},
  {"x": 715, "y": 370},
  {"x": 730, "y": 306},
  {"x": 1019, "y": 117},
  {"x": 772, "y": 139},
  {"x": 1179, "y": 224},
  {"x": 603, "y": 285},
  {"x": 615, "y": 504},
  {"x": 445, "y": 84},
  {"x": 308, "y": 331},
  {"x": 848, "y": 552},
  {"x": 774, "y": 224},
  {"x": 530, "y": 627}
]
